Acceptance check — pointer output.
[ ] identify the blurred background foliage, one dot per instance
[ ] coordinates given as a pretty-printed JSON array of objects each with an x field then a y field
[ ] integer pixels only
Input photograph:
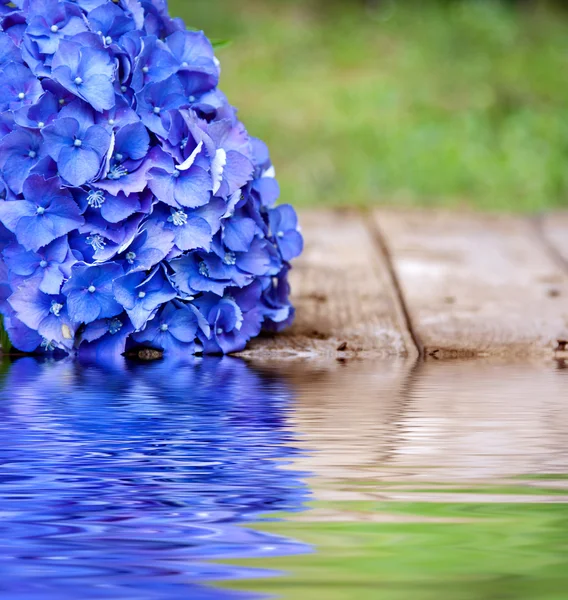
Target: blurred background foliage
[{"x": 445, "y": 103}]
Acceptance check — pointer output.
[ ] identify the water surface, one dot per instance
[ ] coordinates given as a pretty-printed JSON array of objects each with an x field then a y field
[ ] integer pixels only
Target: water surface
[{"x": 213, "y": 478}]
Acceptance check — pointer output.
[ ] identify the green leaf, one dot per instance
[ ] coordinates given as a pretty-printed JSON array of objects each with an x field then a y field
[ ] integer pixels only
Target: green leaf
[{"x": 5, "y": 344}]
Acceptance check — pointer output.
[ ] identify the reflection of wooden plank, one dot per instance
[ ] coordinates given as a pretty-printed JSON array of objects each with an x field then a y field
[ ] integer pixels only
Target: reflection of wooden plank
[
  {"x": 343, "y": 295},
  {"x": 373, "y": 430},
  {"x": 344, "y": 417},
  {"x": 477, "y": 284},
  {"x": 482, "y": 420}
]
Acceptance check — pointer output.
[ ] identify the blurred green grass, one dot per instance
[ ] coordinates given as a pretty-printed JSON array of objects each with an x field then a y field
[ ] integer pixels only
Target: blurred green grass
[
  {"x": 454, "y": 550},
  {"x": 414, "y": 103}
]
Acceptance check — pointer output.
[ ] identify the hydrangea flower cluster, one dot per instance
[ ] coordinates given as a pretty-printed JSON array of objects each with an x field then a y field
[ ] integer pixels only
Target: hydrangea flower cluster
[{"x": 134, "y": 207}]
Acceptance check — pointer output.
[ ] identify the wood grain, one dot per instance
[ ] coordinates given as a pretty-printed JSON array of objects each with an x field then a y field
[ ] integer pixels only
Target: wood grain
[
  {"x": 345, "y": 301},
  {"x": 477, "y": 285},
  {"x": 554, "y": 228}
]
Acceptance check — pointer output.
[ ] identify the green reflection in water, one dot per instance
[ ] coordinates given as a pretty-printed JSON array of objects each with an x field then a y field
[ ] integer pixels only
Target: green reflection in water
[{"x": 426, "y": 550}]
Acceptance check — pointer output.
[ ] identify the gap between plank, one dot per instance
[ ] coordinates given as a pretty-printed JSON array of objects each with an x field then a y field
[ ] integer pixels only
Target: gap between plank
[{"x": 384, "y": 251}]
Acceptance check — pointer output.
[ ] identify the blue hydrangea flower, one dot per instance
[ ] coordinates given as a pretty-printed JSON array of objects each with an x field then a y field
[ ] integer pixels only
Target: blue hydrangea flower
[
  {"x": 50, "y": 21},
  {"x": 46, "y": 212},
  {"x": 47, "y": 314},
  {"x": 89, "y": 292},
  {"x": 77, "y": 146},
  {"x": 173, "y": 330},
  {"x": 84, "y": 66},
  {"x": 18, "y": 87},
  {"x": 20, "y": 153},
  {"x": 135, "y": 209},
  {"x": 141, "y": 295},
  {"x": 52, "y": 264},
  {"x": 284, "y": 225}
]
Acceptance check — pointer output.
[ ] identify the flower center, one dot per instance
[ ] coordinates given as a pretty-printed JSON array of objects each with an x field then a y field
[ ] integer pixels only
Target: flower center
[
  {"x": 78, "y": 80},
  {"x": 280, "y": 234},
  {"x": 21, "y": 95},
  {"x": 61, "y": 101},
  {"x": 111, "y": 121},
  {"x": 185, "y": 64},
  {"x": 91, "y": 289},
  {"x": 141, "y": 294},
  {"x": 77, "y": 143},
  {"x": 47, "y": 345},
  {"x": 118, "y": 156},
  {"x": 96, "y": 198},
  {"x": 43, "y": 264},
  {"x": 41, "y": 124},
  {"x": 178, "y": 218},
  {"x": 123, "y": 88},
  {"x": 116, "y": 172},
  {"x": 145, "y": 69},
  {"x": 130, "y": 257},
  {"x": 203, "y": 270},
  {"x": 40, "y": 210},
  {"x": 54, "y": 29},
  {"x": 157, "y": 110},
  {"x": 32, "y": 153},
  {"x": 219, "y": 331},
  {"x": 55, "y": 308},
  {"x": 108, "y": 40},
  {"x": 230, "y": 258},
  {"x": 114, "y": 326},
  {"x": 96, "y": 241},
  {"x": 164, "y": 327}
]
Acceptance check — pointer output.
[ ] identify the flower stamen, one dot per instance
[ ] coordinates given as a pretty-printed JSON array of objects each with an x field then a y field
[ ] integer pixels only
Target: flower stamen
[
  {"x": 96, "y": 198},
  {"x": 96, "y": 241},
  {"x": 203, "y": 269},
  {"x": 114, "y": 326},
  {"x": 55, "y": 308},
  {"x": 116, "y": 172},
  {"x": 178, "y": 218}
]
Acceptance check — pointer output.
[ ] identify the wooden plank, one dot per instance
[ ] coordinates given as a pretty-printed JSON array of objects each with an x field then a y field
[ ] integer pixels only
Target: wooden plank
[
  {"x": 477, "y": 285},
  {"x": 345, "y": 301},
  {"x": 554, "y": 228}
]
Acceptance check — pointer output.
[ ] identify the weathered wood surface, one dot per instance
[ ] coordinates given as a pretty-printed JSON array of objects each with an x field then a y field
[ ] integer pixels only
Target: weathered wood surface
[
  {"x": 478, "y": 285},
  {"x": 345, "y": 299},
  {"x": 554, "y": 229}
]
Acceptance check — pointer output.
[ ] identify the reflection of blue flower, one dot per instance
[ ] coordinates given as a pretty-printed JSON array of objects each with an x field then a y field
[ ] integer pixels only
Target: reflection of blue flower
[
  {"x": 123, "y": 168},
  {"x": 193, "y": 448}
]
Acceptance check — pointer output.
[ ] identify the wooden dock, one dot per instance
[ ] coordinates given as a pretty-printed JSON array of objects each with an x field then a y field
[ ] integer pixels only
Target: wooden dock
[{"x": 393, "y": 283}]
